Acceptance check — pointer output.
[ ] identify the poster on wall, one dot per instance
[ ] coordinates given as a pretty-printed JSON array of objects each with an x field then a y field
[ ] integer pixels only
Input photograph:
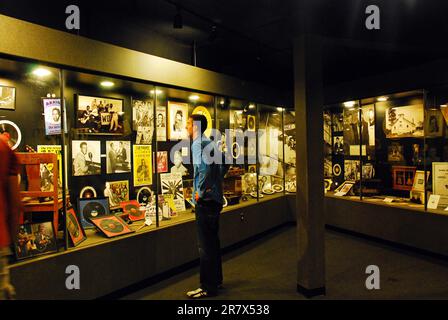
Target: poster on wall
[
  {"x": 434, "y": 123},
  {"x": 7, "y": 98},
  {"x": 352, "y": 170},
  {"x": 142, "y": 165},
  {"x": 86, "y": 157},
  {"x": 162, "y": 161},
  {"x": 56, "y": 150},
  {"x": 99, "y": 115},
  {"x": 143, "y": 121},
  {"x": 172, "y": 184},
  {"x": 117, "y": 192},
  {"x": 52, "y": 112},
  {"x": 118, "y": 155},
  {"x": 368, "y": 123},
  {"x": 237, "y": 119},
  {"x": 177, "y": 120},
  {"x": 404, "y": 122},
  {"x": 440, "y": 178},
  {"x": 161, "y": 123}
]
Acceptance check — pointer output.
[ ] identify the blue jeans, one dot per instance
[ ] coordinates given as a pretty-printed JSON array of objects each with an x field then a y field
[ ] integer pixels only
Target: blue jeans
[{"x": 207, "y": 221}]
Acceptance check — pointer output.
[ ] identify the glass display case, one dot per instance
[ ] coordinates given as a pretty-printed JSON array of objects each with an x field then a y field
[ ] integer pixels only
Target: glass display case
[{"x": 112, "y": 157}]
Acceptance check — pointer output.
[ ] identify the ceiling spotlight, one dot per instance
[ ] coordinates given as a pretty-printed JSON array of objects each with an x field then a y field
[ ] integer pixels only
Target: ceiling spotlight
[
  {"x": 349, "y": 104},
  {"x": 194, "y": 97},
  {"x": 107, "y": 84},
  {"x": 221, "y": 102},
  {"x": 157, "y": 92},
  {"x": 382, "y": 99},
  {"x": 41, "y": 72},
  {"x": 279, "y": 109},
  {"x": 251, "y": 106},
  {"x": 177, "y": 22}
]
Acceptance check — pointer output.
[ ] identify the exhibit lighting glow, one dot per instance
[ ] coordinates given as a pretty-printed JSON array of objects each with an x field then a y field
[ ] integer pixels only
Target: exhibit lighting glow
[
  {"x": 382, "y": 99},
  {"x": 107, "y": 84},
  {"x": 157, "y": 92},
  {"x": 444, "y": 105},
  {"x": 194, "y": 97},
  {"x": 251, "y": 106},
  {"x": 279, "y": 109},
  {"x": 349, "y": 104},
  {"x": 221, "y": 102},
  {"x": 41, "y": 72}
]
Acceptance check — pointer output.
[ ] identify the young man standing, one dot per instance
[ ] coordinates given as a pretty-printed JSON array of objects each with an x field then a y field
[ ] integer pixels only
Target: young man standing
[
  {"x": 208, "y": 199},
  {"x": 9, "y": 213}
]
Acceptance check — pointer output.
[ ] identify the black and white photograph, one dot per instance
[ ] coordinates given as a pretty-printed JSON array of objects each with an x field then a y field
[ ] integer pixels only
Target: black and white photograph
[
  {"x": 118, "y": 156},
  {"x": 337, "y": 122},
  {"x": 434, "y": 123},
  {"x": 143, "y": 121},
  {"x": 395, "y": 153},
  {"x": 177, "y": 120},
  {"x": 86, "y": 157},
  {"x": 35, "y": 239},
  {"x": 178, "y": 166},
  {"x": 7, "y": 98},
  {"x": 352, "y": 170},
  {"x": 52, "y": 114},
  {"x": 338, "y": 145},
  {"x": 161, "y": 122},
  {"x": 99, "y": 115},
  {"x": 404, "y": 121}
]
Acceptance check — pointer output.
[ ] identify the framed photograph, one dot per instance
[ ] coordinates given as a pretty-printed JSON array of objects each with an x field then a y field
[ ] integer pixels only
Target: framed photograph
[
  {"x": 162, "y": 161},
  {"x": 344, "y": 188},
  {"x": 7, "y": 98},
  {"x": 251, "y": 123},
  {"x": 117, "y": 192},
  {"x": 91, "y": 208},
  {"x": 351, "y": 170},
  {"x": 434, "y": 124},
  {"x": 368, "y": 172},
  {"x": 404, "y": 122},
  {"x": 142, "y": 165},
  {"x": 338, "y": 145},
  {"x": 87, "y": 192},
  {"x": 132, "y": 209},
  {"x": 177, "y": 120},
  {"x": 338, "y": 122},
  {"x": 56, "y": 150},
  {"x": 419, "y": 181},
  {"x": 395, "y": 153},
  {"x": 143, "y": 120},
  {"x": 99, "y": 115},
  {"x": 172, "y": 184},
  {"x": 178, "y": 166},
  {"x": 368, "y": 124},
  {"x": 35, "y": 239},
  {"x": 75, "y": 230},
  {"x": 86, "y": 157},
  {"x": 111, "y": 226},
  {"x": 13, "y": 133},
  {"x": 237, "y": 119},
  {"x": 206, "y": 113},
  {"x": 161, "y": 123},
  {"x": 118, "y": 155},
  {"x": 403, "y": 177},
  {"x": 440, "y": 178},
  {"x": 145, "y": 195},
  {"x": 52, "y": 112}
]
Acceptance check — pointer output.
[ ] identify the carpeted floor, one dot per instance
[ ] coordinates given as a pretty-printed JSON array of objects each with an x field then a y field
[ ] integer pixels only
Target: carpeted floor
[{"x": 266, "y": 269}]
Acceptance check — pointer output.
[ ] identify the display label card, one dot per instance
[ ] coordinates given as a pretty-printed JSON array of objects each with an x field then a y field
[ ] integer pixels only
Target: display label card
[
  {"x": 389, "y": 200},
  {"x": 339, "y": 194},
  {"x": 433, "y": 201}
]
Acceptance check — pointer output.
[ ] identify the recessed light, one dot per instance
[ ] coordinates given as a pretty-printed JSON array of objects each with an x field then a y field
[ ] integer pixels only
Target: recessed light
[
  {"x": 194, "y": 97},
  {"x": 279, "y": 109},
  {"x": 107, "y": 84},
  {"x": 157, "y": 92},
  {"x": 382, "y": 99},
  {"x": 349, "y": 104},
  {"x": 221, "y": 102},
  {"x": 41, "y": 72},
  {"x": 251, "y": 106}
]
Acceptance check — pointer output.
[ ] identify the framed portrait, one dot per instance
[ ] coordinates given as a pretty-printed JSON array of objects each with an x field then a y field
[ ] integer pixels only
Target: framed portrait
[
  {"x": 177, "y": 120},
  {"x": 142, "y": 170},
  {"x": 132, "y": 210},
  {"x": 352, "y": 170},
  {"x": 111, "y": 226},
  {"x": 404, "y": 121},
  {"x": 117, "y": 192},
  {"x": 162, "y": 161},
  {"x": 118, "y": 155},
  {"x": 344, "y": 188},
  {"x": 206, "y": 113},
  {"x": 75, "y": 230},
  {"x": 87, "y": 192},
  {"x": 172, "y": 185},
  {"x": 395, "y": 153},
  {"x": 52, "y": 114},
  {"x": 368, "y": 171},
  {"x": 56, "y": 150},
  {"x": 99, "y": 115},
  {"x": 237, "y": 119},
  {"x": 251, "y": 123},
  {"x": 161, "y": 123},
  {"x": 368, "y": 124},
  {"x": 35, "y": 239},
  {"x": 338, "y": 122},
  {"x": 434, "y": 123},
  {"x": 91, "y": 208},
  {"x": 440, "y": 178},
  {"x": 178, "y": 161},
  {"x": 145, "y": 195},
  {"x": 403, "y": 177},
  {"x": 7, "y": 98},
  {"x": 13, "y": 132},
  {"x": 338, "y": 145},
  {"x": 86, "y": 157},
  {"x": 143, "y": 120}
]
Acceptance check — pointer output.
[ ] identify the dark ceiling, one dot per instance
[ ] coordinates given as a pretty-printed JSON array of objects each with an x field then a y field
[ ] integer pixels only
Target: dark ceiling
[{"x": 253, "y": 38}]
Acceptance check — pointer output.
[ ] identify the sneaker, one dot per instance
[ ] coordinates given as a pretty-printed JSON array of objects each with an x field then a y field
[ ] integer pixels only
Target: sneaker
[{"x": 199, "y": 294}]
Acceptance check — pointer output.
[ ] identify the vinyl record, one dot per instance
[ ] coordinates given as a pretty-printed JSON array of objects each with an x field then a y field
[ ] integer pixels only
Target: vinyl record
[
  {"x": 111, "y": 226},
  {"x": 134, "y": 212},
  {"x": 337, "y": 170},
  {"x": 268, "y": 191},
  {"x": 93, "y": 209},
  {"x": 12, "y": 132},
  {"x": 277, "y": 188}
]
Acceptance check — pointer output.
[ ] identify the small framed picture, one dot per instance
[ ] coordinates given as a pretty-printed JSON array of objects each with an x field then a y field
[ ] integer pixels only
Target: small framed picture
[
  {"x": 403, "y": 177},
  {"x": 7, "y": 98},
  {"x": 35, "y": 239},
  {"x": 111, "y": 226},
  {"x": 75, "y": 230},
  {"x": 132, "y": 209},
  {"x": 91, "y": 208},
  {"x": 251, "y": 123},
  {"x": 177, "y": 120}
]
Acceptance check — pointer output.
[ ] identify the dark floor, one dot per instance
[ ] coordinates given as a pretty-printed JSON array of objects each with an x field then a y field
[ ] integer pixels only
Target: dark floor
[{"x": 266, "y": 269}]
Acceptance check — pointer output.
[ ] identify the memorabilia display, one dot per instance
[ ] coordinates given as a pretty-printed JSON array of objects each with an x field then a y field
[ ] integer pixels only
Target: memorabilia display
[
  {"x": 177, "y": 120},
  {"x": 161, "y": 123},
  {"x": 87, "y": 192},
  {"x": 403, "y": 177},
  {"x": 111, "y": 226},
  {"x": 252, "y": 169},
  {"x": 145, "y": 195},
  {"x": 368, "y": 172},
  {"x": 395, "y": 153},
  {"x": 7, "y": 98},
  {"x": 419, "y": 181},
  {"x": 142, "y": 165},
  {"x": 251, "y": 123},
  {"x": 338, "y": 145},
  {"x": 48, "y": 168},
  {"x": 12, "y": 132},
  {"x": 344, "y": 189},
  {"x": 35, "y": 239},
  {"x": 52, "y": 114},
  {"x": 99, "y": 115},
  {"x": 434, "y": 124},
  {"x": 205, "y": 112},
  {"x": 237, "y": 119},
  {"x": 249, "y": 183},
  {"x": 352, "y": 170},
  {"x": 86, "y": 158},
  {"x": 338, "y": 122},
  {"x": 172, "y": 184},
  {"x": 133, "y": 210},
  {"x": 440, "y": 178},
  {"x": 178, "y": 164},
  {"x": 118, "y": 156},
  {"x": 91, "y": 208},
  {"x": 75, "y": 230},
  {"x": 368, "y": 120},
  {"x": 117, "y": 192},
  {"x": 402, "y": 122},
  {"x": 327, "y": 128},
  {"x": 143, "y": 121},
  {"x": 162, "y": 161}
]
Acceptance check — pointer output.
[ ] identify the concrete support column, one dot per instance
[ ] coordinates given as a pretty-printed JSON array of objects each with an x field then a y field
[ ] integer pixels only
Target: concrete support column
[{"x": 308, "y": 99}]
